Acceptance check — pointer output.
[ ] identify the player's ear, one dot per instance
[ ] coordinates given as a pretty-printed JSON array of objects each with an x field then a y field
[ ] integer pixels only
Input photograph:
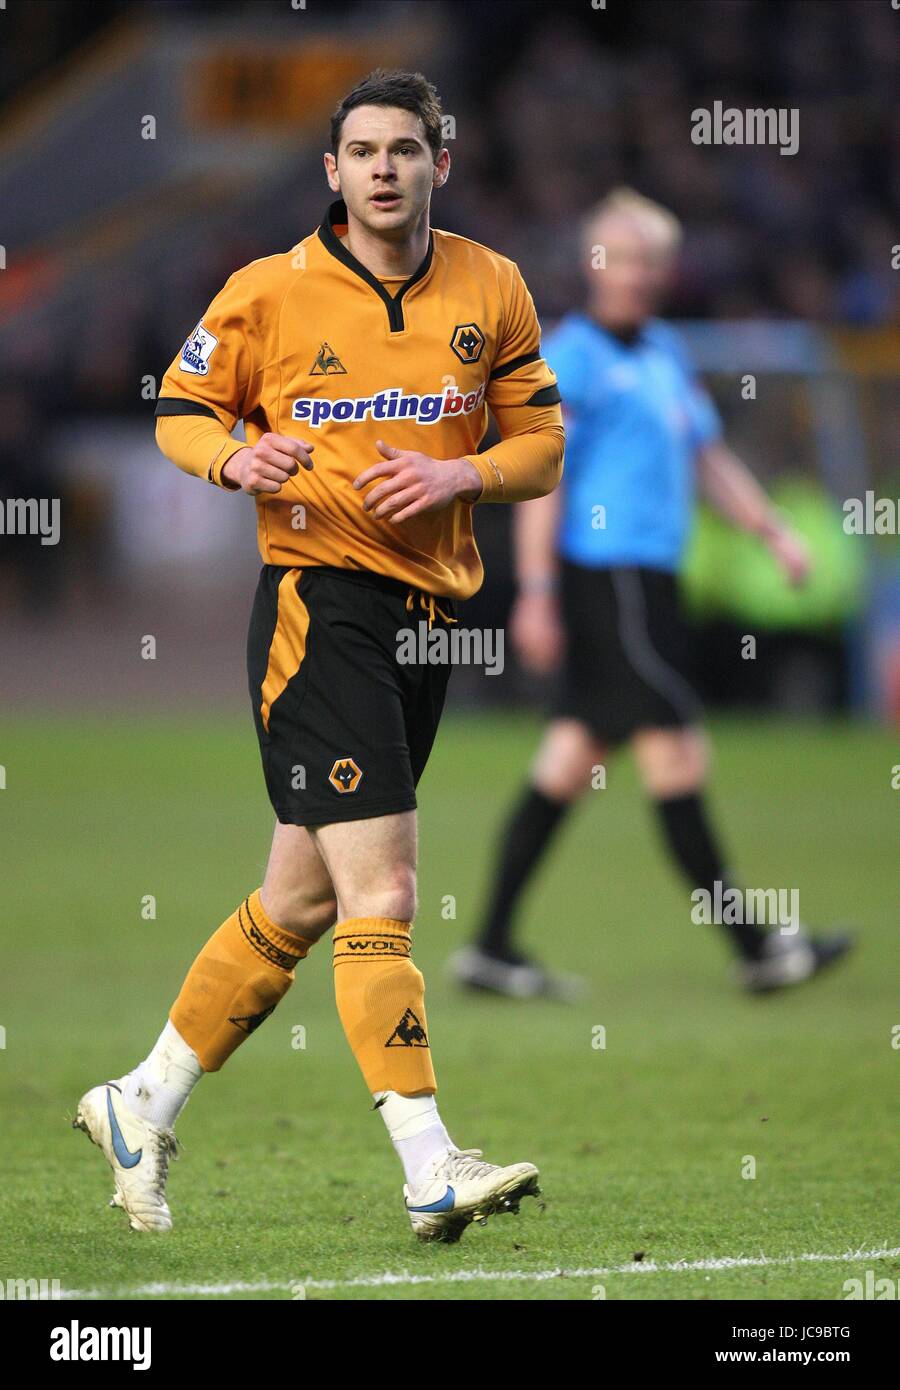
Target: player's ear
[
  {"x": 331, "y": 173},
  {"x": 441, "y": 169}
]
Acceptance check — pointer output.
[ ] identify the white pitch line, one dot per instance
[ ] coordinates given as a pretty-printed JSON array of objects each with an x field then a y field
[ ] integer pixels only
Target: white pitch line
[{"x": 474, "y": 1276}]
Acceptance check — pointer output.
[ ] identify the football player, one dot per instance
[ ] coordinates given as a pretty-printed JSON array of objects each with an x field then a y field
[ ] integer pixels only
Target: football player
[{"x": 362, "y": 362}]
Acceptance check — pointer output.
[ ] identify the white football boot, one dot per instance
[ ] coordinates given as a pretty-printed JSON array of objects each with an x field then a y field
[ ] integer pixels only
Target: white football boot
[
  {"x": 137, "y": 1152},
  {"x": 458, "y": 1188},
  {"x": 789, "y": 960},
  {"x": 513, "y": 976}
]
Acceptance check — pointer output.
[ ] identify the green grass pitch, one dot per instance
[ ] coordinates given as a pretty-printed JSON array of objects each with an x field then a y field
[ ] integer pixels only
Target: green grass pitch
[{"x": 287, "y": 1186}]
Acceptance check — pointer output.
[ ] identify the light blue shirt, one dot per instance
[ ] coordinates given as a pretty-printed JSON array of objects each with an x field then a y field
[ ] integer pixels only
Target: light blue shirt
[{"x": 635, "y": 417}]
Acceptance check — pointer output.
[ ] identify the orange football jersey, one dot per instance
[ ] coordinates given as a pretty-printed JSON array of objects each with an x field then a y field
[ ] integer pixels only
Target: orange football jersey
[{"x": 310, "y": 344}]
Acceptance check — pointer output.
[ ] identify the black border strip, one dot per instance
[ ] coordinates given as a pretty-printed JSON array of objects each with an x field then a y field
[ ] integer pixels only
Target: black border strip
[
  {"x": 547, "y": 395},
  {"x": 337, "y": 214},
  {"x": 514, "y": 364},
  {"x": 176, "y": 405}
]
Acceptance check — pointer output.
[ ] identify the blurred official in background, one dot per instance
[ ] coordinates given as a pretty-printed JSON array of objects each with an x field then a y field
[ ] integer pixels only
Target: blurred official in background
[{"x": 596, "y": 566}]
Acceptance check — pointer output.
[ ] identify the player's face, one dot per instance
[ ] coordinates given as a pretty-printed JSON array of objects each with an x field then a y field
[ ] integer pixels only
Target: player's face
[
  {"x": 385, "y": 170},
  {"x": 629, "y": 277}
]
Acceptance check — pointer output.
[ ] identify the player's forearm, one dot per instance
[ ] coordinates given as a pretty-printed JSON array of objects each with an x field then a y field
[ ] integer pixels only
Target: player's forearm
[
  {"x": 732, "y": 489},
  {"x": 525, "y": 464},
  {"x": 535, "y": 530},
  {"x": 198, "y": 445}
]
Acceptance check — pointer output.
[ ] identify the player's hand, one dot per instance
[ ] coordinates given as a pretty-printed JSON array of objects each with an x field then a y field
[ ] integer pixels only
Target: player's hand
[
  {"x": 268, "y": 465},
  {"x": 537, "y": 632},
  {"x": 408, "y": 483},
  {"x": 791, "y": 553}
]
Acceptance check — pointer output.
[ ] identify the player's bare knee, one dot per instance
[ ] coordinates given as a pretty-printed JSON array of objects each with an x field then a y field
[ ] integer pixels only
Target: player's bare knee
[
  {"x": 317, "y": 918},
  {"x": 391, "y": 894},
  {"x": 672, "y": 762},
  {"x": 696, "y": 756},
  {"x": 401, "y": 900},
  {"x": 302, "y": 915},
  {"x": 564, "y": 762}
]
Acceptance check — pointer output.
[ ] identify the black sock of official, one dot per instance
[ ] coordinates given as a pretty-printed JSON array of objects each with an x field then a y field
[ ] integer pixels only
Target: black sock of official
[
  {"x": 525, "y": 836},
  {"x": 693, "y": 846}
]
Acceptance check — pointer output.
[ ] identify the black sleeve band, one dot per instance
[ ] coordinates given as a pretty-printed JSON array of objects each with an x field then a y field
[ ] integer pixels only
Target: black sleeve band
[
  {"x": 547, "y": 395},
  {"x": 514, "y": 364},
  {"x": 174, "y": 405}
]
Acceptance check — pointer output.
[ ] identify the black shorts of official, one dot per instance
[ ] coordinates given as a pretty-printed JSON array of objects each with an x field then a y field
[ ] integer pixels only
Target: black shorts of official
[
  {"x": 344, "y": 729},
  {"x": 626, "y": 654}
]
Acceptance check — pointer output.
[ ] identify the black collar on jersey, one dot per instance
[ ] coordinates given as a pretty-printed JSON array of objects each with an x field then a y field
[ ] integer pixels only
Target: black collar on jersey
[
  {"x": 627, "y": 337},
  {"x": 337, "y": 217}
]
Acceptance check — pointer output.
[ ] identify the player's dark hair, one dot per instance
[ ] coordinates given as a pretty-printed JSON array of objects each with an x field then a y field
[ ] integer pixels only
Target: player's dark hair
[{"x": 411, "y": 91}]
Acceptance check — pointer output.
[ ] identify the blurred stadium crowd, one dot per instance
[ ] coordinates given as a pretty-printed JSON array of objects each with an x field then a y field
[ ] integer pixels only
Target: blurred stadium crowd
[{"x": 554, "y": 104}]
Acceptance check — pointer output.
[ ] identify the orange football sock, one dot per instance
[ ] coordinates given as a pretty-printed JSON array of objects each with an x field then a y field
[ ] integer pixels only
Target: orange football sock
[
  {"x": 243, "y": 971},
  {"x": 381, "y": 1001}
]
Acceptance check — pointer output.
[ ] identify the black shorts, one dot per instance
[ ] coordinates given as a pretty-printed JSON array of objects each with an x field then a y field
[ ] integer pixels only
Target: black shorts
[
  {"x": 344, "y": 729},
  {"x": 626, "y": 652}
]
